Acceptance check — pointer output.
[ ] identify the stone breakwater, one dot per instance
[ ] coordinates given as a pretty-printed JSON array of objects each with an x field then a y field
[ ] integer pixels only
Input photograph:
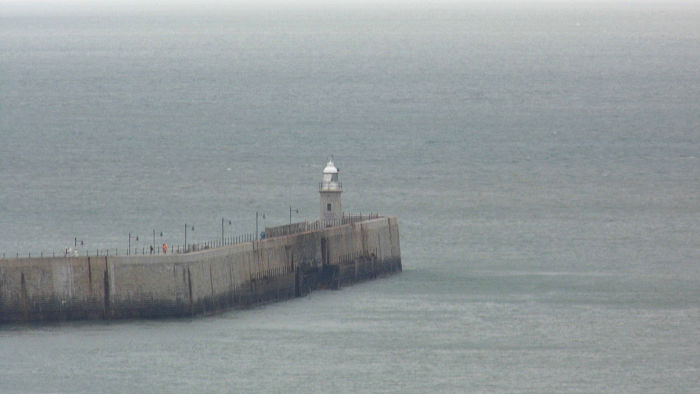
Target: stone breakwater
[{"x": 204, "y": 282}]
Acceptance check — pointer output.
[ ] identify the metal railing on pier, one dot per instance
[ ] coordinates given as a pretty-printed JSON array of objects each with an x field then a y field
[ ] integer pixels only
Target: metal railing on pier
[
  {"x": 302, "y": 227},
  {"x": 216, "y": 243},
  {"x": 156, "y": 249},
  {"x": 138, "y": 251}
]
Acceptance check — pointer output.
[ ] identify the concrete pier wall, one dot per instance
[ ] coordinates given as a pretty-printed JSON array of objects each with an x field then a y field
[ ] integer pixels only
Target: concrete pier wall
[{"x": 36, "y": 289}]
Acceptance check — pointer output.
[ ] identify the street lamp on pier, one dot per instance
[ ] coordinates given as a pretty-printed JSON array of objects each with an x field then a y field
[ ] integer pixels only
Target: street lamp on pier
[
  {"x": 186, "y": 236},
  {"x": 258, "y": 214},
  {"x": 295, "y": 210},
  {"x": 222, "y": 230},
  {"x": 154, "y": 248}
]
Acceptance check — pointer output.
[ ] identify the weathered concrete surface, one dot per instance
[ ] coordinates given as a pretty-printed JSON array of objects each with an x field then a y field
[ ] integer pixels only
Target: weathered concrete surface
[{"x": 197, "y": 283}]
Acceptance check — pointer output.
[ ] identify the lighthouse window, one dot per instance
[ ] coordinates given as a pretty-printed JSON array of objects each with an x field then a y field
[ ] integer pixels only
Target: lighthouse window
[{"x": 328, "y": 207}]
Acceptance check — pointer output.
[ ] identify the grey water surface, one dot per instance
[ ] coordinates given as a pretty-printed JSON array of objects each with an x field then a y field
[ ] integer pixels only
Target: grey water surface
[{"x": 543, "y": 160}]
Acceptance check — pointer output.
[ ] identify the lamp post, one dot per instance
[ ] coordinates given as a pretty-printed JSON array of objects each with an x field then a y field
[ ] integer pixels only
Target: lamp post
[
  {"x": 296, "y": 210},
  {"x": 257, "y": 214},
  {"x": 156, "y": 249},
  {"x": 222, "y": 230},
  {"x": 186, "y": 236}
]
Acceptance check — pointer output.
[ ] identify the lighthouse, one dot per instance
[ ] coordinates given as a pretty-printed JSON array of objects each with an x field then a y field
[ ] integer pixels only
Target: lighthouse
[{"x": 330, "y": 190}]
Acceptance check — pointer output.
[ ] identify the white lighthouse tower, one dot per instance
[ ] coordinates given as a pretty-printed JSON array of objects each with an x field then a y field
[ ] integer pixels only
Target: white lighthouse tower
[{"x": 330, "y": 190}]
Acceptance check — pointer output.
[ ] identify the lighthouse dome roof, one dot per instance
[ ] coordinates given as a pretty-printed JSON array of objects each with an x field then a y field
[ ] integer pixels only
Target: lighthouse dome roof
[{"x": 330, "y": 168}]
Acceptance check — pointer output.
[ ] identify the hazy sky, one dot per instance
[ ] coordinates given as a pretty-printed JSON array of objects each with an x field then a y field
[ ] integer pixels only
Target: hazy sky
[{"x": 68, "y": 5}]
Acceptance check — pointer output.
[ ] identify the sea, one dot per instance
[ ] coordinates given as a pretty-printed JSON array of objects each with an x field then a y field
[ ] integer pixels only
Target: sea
[{"x": 542, "y": 159}]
